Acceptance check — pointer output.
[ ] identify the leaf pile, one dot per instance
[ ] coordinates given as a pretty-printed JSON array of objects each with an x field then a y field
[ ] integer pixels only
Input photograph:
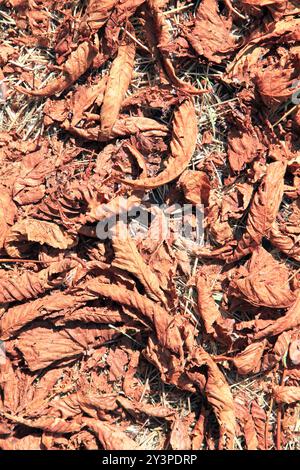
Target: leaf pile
[{"x": 149, "y": 338}]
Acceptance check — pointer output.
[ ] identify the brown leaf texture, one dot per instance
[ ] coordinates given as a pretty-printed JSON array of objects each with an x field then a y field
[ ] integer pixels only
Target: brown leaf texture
[
  {"x": 123, "y": 127},
  {"x": 149, "y": 225},
  {"x": 110, "y": 437},
  {"x": 289, "y": 320},
  {"x": 18, "y": 316},
  {"x": 249, "y": 360},
  {"x": 208, "y": 310},
  {"x": 30, "y": 285}
]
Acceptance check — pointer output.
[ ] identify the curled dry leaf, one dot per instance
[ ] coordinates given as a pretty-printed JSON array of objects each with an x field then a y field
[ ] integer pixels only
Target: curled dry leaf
[
  {"x": 76, "y": 65},
  {"x": 263, "y": 210},
  {"x": 286, "y": 322},
  {"x": 219, "y": 396},
  {"x": 117, "y": 84},
  {"x": 136, "y": 408},
  {"x": 249, "y": 360},
  {"x": 207, "y": 308},
  {"x": 196, "y": 186},
  {"x": 128, "y": 258},
  {"x": 30, "y": 285},
  {"x": 182, "y": 147},
  {"x": 41, "y": 347},
  {"x": 158, "y": 31},
  {"x": 123, "y": 127},
  {"x": 110, "y": 437},
  {"x": 20, "y": 315}
]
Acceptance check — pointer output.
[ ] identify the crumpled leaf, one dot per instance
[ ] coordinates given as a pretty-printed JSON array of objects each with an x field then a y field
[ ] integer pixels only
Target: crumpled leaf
[
  {"x": 196, "y": 186},
  {"x": 158, "y": 31},
  {"x": 123, "y": 127},
  {"x": 219, "y": 396},
  {"x": 40, "y": 346},
  {"x": 30, "y": 285},
  {"x": 243, "y": 146},
  {"x": 20, "y": 315},
  {"x": 39, "y": 231},
  {"x": 263, "y": 281},
  {"x": 207, "y": 307},
  {"x": 97, "y": 14},
  {"x": 212, "y": 35},
  {"x": 286, "y": 322}
]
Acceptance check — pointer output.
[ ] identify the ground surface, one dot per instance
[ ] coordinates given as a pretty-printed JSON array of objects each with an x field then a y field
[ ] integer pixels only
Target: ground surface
[{"x": 149, "y": 338}]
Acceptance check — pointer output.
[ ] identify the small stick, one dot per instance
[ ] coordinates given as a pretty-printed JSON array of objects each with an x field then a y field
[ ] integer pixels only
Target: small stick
[
  {"x": 135, "y": 40},
  {"x": 175, "y": 10},
  {"x": 285, "y": 115}
]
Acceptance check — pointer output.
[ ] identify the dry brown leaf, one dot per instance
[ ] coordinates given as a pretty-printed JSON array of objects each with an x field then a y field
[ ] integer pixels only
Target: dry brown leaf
[
  {"x": 182, "y": 147},
  {"x": 128, "y": 258},
  {"x": 117, "y": 84},
  {"x": 179, "y": 436},
  {"x": 196, "y": 186},
  {"x": 111, "y": 437},
  {"x": 76, "y": 65},
  {"x": 30, "y": 285},
  {"x": 286, "y": 394},
  {"x": 207, "y": 307},
  {"x": 288, "y": 321},
  {"x": 212, "y": 35},
  {"x": 263, "y": 210},
  {"x": 97, "y": 14},
  {"x": 263, "y": 281},
  {"x": 42, "y": 347},
  {"x": 39, "y": 231},
  {"x": 20, "y": 315},
  {"x": 218, "y": 395},
  {"x": 125, "y": 126},
  {"x": 249, "y": 360}
]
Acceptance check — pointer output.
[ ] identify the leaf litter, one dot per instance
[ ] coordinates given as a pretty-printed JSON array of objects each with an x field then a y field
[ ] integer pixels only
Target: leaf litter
[{"x": 149, "y": 339}]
